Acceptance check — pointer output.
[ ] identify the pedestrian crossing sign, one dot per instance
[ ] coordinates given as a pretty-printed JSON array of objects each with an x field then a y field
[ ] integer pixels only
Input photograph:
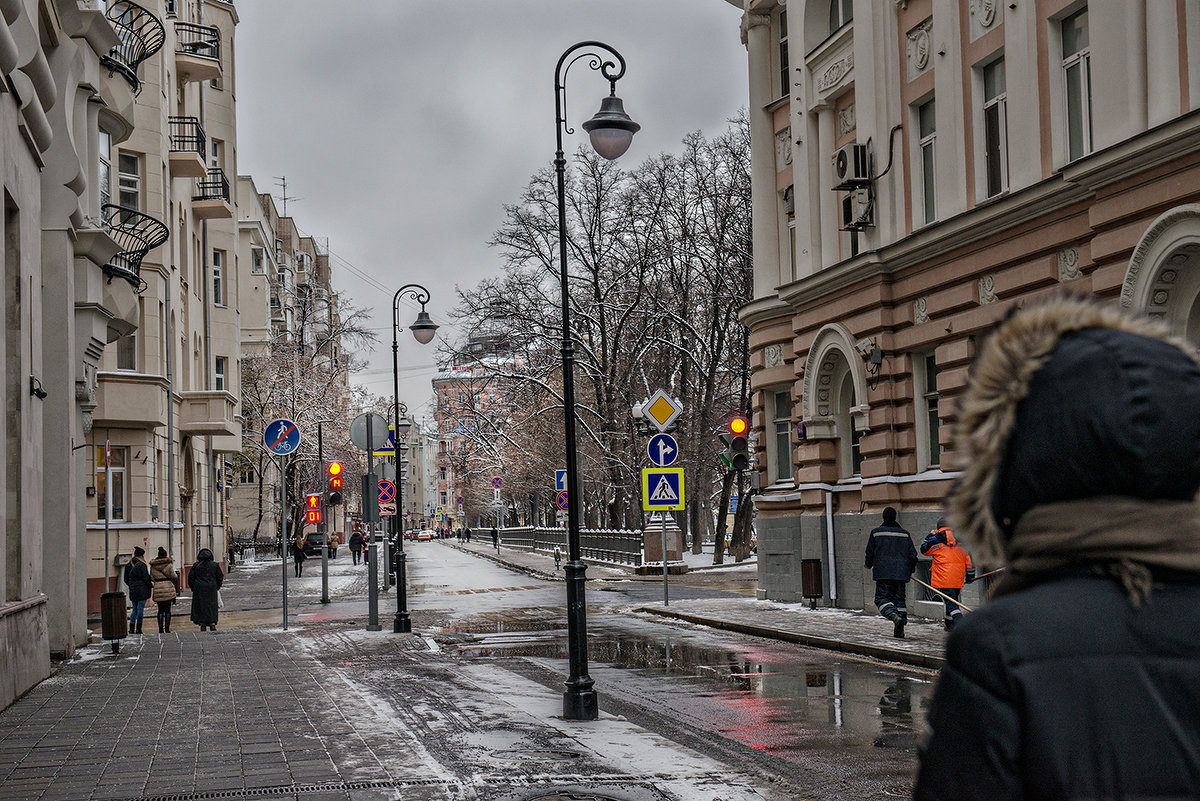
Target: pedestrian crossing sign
[{"x": 662, "y": 489}]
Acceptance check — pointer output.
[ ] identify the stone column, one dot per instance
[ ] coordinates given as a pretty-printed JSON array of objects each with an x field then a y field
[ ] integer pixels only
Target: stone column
[{"x": 756, "y": 33}]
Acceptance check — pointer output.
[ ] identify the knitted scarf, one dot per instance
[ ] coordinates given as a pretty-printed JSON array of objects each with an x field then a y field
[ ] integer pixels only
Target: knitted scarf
[{"x": 1123, "y": 538}]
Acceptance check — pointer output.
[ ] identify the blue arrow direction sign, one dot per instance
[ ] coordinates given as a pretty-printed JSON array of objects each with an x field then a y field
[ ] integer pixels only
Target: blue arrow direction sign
[
  {"x": 663, "y": 450},
  {"x": 560, "y": 480},
  {"x": 281, "y": 437}
]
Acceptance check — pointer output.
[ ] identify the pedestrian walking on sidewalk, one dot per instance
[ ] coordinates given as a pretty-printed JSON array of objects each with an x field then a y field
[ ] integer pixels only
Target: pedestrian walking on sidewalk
[
  {"x": 298, "y": 556},
  {"x": 891, "y": 557},
  {"x": 165, "y": 587},
  {"x": 950, "y": 570},
  {"x": 1079, "y": 441},
  {"x": 496, "y": 539},
  {"x": 137, "y": 578},
  {"x": 467, "y": 533},
  {"x": 205, "y": 578},
  {"x": 356, "y": 546}
]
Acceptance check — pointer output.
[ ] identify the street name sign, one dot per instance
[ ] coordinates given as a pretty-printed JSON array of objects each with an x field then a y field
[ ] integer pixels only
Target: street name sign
[
  {"x": 281, "y": 437},
  {"x": 663, "y": 450},
  {"x": 662, "y": 489},
  {"x": 662, "y": 409}
]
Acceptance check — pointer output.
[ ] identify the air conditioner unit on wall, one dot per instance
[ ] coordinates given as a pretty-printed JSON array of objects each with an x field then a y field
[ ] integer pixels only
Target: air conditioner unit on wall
[
  {"x": 851, "y": 167},
  {"x": 857, "y": 210}
]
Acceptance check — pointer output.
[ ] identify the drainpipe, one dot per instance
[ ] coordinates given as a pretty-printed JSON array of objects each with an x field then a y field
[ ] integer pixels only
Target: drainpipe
[
  {"x": 829, "y": 543},
  {"x": 170, "y": 335},
  {"x": 206, "y": 259}
]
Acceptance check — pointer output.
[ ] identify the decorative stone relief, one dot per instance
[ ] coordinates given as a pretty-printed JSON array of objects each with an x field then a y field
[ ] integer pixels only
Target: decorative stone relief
[
  {"x": 1068, "y": 264},
  {"x": 987, "y": 290},
  {"x": 1160, "y": 297},
  {"x": 773, "y": 355},
  {"x": 824, "y": 391},
  {"x": 835, "y": 72},
  {"x": 985, "y": 11},
  {"x": 783, "y": 148},
  {"x": 920, "y": 311},
  {"x": 846, "y": 121},
  {"x": 918, "y": 48}
]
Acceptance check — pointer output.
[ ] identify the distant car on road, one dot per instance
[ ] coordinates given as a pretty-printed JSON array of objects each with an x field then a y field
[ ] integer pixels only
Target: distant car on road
[
  {"x": 424, "y": 534},
  {"x": 314, "y": 542}
]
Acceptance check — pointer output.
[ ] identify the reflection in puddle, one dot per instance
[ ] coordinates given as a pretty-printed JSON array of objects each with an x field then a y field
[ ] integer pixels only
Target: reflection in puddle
[{"x": 787, "y": 702}]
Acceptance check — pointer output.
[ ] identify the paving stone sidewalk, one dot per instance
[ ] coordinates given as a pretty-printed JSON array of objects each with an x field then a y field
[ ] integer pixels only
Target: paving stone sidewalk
[{"x": 849, "y": 631}]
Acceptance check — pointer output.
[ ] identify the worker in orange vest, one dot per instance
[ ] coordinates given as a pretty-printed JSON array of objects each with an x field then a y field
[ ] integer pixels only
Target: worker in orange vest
[{"x": 951, "y": 568}]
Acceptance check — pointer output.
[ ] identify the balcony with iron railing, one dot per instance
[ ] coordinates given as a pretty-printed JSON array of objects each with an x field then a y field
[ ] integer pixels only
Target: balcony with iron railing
[
  {"x": 211, "y": 200},
  {"x": 197, "y": 51},
  {"x": 189, "y": 146},
  {"x": 137, "y": 234},
  {"x": 142, "y": 35}
]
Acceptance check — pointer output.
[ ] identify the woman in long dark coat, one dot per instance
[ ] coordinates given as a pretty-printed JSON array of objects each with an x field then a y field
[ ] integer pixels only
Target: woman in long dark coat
[{"x": 205, "y": 579}]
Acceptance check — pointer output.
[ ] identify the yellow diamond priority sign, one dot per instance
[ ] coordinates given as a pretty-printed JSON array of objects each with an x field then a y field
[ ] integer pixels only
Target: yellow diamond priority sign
[
  {"x": 662, "y": 409},
  {"x": 662, "y": 489}
]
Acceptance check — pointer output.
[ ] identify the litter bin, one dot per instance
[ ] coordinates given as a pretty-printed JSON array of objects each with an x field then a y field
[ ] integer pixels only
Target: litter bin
[
  {"x": 114, "y": 625},
  {"x": 810, "y": 581}
]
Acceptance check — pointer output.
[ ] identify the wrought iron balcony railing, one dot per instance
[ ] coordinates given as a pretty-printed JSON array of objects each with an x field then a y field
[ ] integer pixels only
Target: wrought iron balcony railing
[
  {"x": 141, "y": 34},
  {"x": 187, "y": 136},
  {"x": 203, "y": 41},
  {"x": 137, "y": 234},
  {"x": 214, "y": 187}
]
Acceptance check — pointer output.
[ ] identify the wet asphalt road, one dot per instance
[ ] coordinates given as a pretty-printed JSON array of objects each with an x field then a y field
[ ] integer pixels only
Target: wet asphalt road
[{"x": 813, "y": 724}]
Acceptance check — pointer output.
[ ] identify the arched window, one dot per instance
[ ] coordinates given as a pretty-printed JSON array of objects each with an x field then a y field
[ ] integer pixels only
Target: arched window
[
  {"x": 1163, "y": 277},
  {"x": 840, "y": 12}
]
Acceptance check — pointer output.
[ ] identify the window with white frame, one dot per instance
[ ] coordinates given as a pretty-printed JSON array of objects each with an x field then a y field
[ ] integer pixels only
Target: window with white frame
[
  {"x": 129, "y": 181},
  {"x": 219, "y": 373},
  {"x": 927, "y": 128},
  {"x": 247, "y": 474},
  {"x": 782, "y": 38},
  {"x": 1077, "y": 73},
  {"x": 840, "y": 12},
  {"x": 258, "y": 261},
  {"x": 995, "y": 128},
  {"x": 120, "y": 488},
  {"x": 218, "y": 277},
  {"x": 926, "y": 396},
  {"x": 851, "y": 453},
  {"x": 104, "y": 157},
  {"x": 214, "y": 157},
  {"x": 781, "y": 435}
]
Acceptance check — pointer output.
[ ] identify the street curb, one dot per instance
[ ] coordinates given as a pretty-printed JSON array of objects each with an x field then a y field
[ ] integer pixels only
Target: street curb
[
  {"x": 811, "y": 640},
  {"x": 529, "y": 571}
]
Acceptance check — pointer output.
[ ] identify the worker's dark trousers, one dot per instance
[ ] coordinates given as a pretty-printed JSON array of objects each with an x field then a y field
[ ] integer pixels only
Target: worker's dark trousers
[{"x": 889, "y": 597}]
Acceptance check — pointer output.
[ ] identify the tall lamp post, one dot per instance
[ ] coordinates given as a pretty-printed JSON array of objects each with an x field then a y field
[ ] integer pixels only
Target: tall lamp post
[
  {"x": 423, "y": 329},
  {"x": 611, "y": 132}
]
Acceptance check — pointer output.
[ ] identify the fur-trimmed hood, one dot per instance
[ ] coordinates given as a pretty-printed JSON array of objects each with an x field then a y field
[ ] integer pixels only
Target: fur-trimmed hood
[{"x": 1139, "y": 398}]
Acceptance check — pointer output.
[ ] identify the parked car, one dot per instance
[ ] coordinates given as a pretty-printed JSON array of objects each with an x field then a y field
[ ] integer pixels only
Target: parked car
[{"x": 314, "y": 542}]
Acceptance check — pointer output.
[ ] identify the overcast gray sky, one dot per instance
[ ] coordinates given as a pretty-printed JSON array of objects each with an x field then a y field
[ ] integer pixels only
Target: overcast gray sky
[{"x": 405, "y": 126}]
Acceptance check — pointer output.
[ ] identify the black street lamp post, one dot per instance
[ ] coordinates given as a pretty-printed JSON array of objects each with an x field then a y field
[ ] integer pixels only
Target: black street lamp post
[
  {"x": 611, "y": 131},
  {"x": 423, "y": 329}
]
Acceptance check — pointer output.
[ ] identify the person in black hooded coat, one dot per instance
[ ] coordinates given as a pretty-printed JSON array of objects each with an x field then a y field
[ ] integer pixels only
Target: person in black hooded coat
[
  {"x": 205, "y": 579},
  {"x": 1079, "y": 436}
]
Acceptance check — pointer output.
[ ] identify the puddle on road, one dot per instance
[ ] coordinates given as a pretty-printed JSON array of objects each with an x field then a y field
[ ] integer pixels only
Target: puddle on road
[{"x": 776, "y": 699}]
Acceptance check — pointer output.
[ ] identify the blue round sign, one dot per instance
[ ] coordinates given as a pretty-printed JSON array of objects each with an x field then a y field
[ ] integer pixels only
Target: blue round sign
[
  {"x": 663, "y": 450},
  {"x": 281, "y": 437}
]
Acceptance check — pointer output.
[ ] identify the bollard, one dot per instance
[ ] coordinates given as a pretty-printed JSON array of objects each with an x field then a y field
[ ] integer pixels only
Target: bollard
[{"x": 114, "y": 625}]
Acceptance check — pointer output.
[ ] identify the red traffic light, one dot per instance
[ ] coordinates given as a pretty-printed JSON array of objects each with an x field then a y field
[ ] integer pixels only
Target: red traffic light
[
  {"x": 738, "y": 426},
  {"x": 335, "y": 469}
]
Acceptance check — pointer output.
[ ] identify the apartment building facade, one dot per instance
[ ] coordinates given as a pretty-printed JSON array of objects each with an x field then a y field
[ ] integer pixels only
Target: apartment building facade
[{"x": 920, "y": 167}]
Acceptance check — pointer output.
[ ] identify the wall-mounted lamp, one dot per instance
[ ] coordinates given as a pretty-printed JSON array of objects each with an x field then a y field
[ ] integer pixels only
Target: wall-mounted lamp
[{"x": 35, "y": 388}]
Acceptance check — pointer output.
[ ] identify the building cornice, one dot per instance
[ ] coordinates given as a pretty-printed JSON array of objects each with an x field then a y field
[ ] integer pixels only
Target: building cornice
[
  {"x": 1157, "y": 146},
  {"x": 763, "y": 310}
]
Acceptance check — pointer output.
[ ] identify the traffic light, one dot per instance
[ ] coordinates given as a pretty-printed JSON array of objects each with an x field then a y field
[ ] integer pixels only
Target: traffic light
[
  {"x": 314, "y": 510},
  {"x": 739, "y": 445},
  {"x": 334, "y": 469}
]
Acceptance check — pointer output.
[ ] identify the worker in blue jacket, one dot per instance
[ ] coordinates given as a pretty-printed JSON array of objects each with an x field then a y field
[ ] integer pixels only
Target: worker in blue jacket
[{"x": 892, "y": 557}]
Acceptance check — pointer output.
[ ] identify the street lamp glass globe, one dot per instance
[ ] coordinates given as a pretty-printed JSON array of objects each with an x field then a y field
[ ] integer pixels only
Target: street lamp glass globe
[
  {"x": 610, "y": 129},
  {"x": 424, "y": 328}
]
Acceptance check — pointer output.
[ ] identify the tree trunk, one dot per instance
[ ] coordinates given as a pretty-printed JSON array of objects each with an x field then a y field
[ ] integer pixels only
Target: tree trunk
[{"x": 722, "y": 519}]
